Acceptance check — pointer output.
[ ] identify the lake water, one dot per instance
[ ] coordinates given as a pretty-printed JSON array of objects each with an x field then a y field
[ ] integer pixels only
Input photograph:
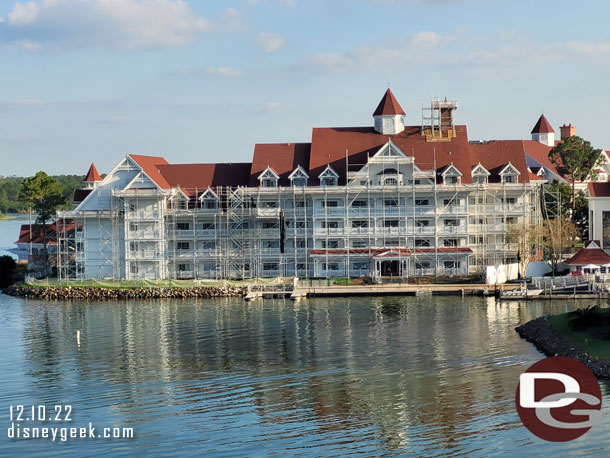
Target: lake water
[
  {"x": 9, "y": 232},
  {"x": 391, "y": 376}
]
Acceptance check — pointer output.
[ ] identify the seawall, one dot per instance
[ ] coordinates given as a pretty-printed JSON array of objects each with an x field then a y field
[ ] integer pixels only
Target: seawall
[
  {"x": 101, "y": 294},
  {"x": 547, "y": 340}
]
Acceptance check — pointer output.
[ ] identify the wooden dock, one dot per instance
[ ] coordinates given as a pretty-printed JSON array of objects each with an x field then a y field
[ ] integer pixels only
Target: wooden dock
[{"x": 393, "y": 289}]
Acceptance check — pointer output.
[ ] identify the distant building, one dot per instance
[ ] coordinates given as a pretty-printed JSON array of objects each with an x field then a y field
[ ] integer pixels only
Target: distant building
[{"x": 388, "y": 199}]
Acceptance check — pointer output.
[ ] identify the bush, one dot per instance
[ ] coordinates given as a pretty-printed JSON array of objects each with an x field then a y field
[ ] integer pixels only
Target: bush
[{"x": 7, "y": 270}]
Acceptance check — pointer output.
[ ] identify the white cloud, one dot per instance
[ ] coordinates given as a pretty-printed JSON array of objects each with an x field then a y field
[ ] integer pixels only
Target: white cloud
[
  {"x": 429, "y": 39},
  {"x": 115, "y": 24},
  {"x": 287, "y": 3},
  {"x": 269, "y": 41},
  {"x": 500, "y": 54},
  {"x": 221, "y": 71}
]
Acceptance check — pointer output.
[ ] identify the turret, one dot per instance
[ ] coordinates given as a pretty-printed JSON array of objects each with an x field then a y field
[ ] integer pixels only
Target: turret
[
  {"x": 92, "y": 179},
  {"x": 543, "y": 132},
  {"x": 389, "y": 115}
]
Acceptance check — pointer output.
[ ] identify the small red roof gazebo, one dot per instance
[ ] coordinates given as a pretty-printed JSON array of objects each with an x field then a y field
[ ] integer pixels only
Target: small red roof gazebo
[{"x": 590, "y": 255}]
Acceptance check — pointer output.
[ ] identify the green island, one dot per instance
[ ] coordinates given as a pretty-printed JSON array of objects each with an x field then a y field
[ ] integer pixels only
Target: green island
[{"x": 587, "y": 328}]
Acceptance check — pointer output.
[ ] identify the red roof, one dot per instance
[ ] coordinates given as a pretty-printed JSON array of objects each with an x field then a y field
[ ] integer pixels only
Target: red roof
[
  {"x": 329, "y": 145},
  {"x": 37, "y": 233},
  {"x": 283, "y": 158},
  {"x": 149, "y": 166},
  {"x": 589, "y": 256},
  {"x": 92, "y": 175},
  {"x": 198, "y": 177},
  {"x": 542, "y": 126},
  {"x": 388, "y": 105},
  {"x": 81, "y": 194},
  {"x": 599, "y": 189},
  {"x": 496, "y": 154}
]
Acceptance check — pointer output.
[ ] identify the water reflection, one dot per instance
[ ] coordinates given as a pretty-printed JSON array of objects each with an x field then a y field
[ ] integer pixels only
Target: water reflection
[{"x": 377, "y": 376}]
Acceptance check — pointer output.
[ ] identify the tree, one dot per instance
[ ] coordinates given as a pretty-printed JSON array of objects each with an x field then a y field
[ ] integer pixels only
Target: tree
[
  {"x": 576, "y": 159},
  {"x": 7, "y": 270},
  {"x": 558, "y": 235},
  {"x": 527, "y": 238},
  {"x": 42, "y": 194}
]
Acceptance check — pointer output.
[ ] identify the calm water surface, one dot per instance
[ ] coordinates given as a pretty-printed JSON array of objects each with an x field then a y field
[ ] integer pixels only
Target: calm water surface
[{"x": 326, "y": 377}]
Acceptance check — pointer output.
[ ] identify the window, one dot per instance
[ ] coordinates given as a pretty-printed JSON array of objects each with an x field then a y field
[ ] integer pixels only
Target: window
[
  {"x": 511, "y": 220},
  {"x": 360, "y": 266},
  {"x": 422, "y": 242},
  {"x": 133, "y": 227},
  {"x": 301, "y": 244},
  {"x": 390, "y": 223},
  {"x": 453, "y": 202},
  {"x": 391, "y": 242},
  {"x": 422, "y": 223},
  {"x": 330, "y": 266},
  {"x": 450, "y": 264},
  {"x": 422, "y": 264},
  {"x": 209, "y": 245},
  {"x": 328, "y": 181},
  {"x": 452, "y": 222},
  {"x": 390, "y": 182},
  {"x": 479, "y": 179},
  {"x": 509, "y": 178},
  {"x": 330, "y": 203},
  {"x": 269, "y": 183},
  {"x": 451, "y": 180},
  {"x": 271, "y": 243},
  {"x": 133, "y": 246},
  {"x": 133, "y": 207},
  {"x": 360, "y": 203},
  {"x": 360, "y": 223},
  {"x": 270, "y": 225},
  {"x": 270, "y": 266},
  {"x": 359, "y": 244},
  {"x": 422, "y": 202},
  {"x": 330, "y": 224},
  {"x": 183, "y": 245},
  {"x": 182, "y": 204},
  {"x": 301, "y": 266},
  {"x": 183, "y": 226},
  {"x": 390, "y": 203},
  {"x": 300, "y": 224},
  {"x": 79, "y": 227},
  {"x": 330, "y": 244},
  {"x": 299, "y": 182},
  {"x": 476, "y": 240},
  {"x": 270, "y": 204},
  {"x": 207, "y": 226},
  {"x": 450, "y": 242},
  {"x": 133, "y": 268},
  {"x": 184, "y": 267},
  {"x": 510, "y": 200},
  {"x": 209, "y": 203}
]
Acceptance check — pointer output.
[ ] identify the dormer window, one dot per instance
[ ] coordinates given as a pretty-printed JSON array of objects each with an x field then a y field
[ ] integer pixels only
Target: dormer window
[
  {"x": 390, "y": 177},
  {"x": 268, "y": 179},
  {"x": 509, "y": 174},
  {"x": 451, "y": 175},
  {"x": 298, "y": 178},
  {"x": 209, "y": 200},
  {"x": 329, "y": 177},
  {"x": 480, "y": 174}
]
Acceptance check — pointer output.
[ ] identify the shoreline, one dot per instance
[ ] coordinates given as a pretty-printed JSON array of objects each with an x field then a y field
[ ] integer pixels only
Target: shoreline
[
  {"x": 104, "y": 294},
  {"x": 547, "y": 340}
]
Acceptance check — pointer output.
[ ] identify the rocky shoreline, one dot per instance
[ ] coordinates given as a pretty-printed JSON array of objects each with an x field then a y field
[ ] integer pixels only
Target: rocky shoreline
[
  {"x": 540, "y": 333},
  {"x": 102, "y": 294}
]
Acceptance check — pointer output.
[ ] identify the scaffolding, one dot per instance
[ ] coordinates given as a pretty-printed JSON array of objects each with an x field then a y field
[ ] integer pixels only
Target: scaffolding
[{"x": 387, "y": 206}]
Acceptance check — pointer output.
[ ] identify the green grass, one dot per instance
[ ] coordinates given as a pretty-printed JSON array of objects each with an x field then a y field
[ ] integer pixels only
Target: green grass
[{"x": 582, "y": 340}]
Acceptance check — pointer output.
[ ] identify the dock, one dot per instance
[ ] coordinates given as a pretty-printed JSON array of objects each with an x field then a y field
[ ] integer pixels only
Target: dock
[{"x": 393, "y": 289}]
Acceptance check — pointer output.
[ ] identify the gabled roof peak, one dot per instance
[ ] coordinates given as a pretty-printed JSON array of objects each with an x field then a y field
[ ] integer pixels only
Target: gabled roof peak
[
  {"x": 542, "y": 126},
  {"x": 388, "y": 105},
  {"x": 92, "y": 175}
]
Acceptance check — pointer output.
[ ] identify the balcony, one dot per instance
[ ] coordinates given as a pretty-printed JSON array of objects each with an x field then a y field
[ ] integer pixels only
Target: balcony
[
  {"x": 266, "y": 212},
  {"x": 143, "y": 254},
  {"x": 184, "y": 253},
  {"x": 206, "y": 253},
  {"x": 187, "y": 234},
  {"x": 143, "y": 215}
]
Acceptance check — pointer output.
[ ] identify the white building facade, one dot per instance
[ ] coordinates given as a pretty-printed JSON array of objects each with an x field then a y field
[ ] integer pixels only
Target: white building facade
[{"x": 385, "y": 201}]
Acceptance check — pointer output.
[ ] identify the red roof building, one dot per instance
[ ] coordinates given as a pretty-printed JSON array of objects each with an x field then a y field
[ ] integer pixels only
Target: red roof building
[
  {"x": 590, "y": 254},
  {"x": 542, "y": 126},
  {"x": 92, "y": 175},
  {"x": 388, "y": 105}
]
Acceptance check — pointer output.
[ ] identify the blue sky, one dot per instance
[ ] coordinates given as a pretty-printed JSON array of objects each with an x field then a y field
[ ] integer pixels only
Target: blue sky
[{"x": 203, "y": 81}]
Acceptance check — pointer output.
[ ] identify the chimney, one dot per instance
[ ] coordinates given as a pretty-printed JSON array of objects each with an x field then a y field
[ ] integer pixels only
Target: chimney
[{"x": 567, "y": 131}]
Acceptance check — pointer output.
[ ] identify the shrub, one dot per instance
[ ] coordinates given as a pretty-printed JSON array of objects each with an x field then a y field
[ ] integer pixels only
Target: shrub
[{"x": 7, "y": 270}]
